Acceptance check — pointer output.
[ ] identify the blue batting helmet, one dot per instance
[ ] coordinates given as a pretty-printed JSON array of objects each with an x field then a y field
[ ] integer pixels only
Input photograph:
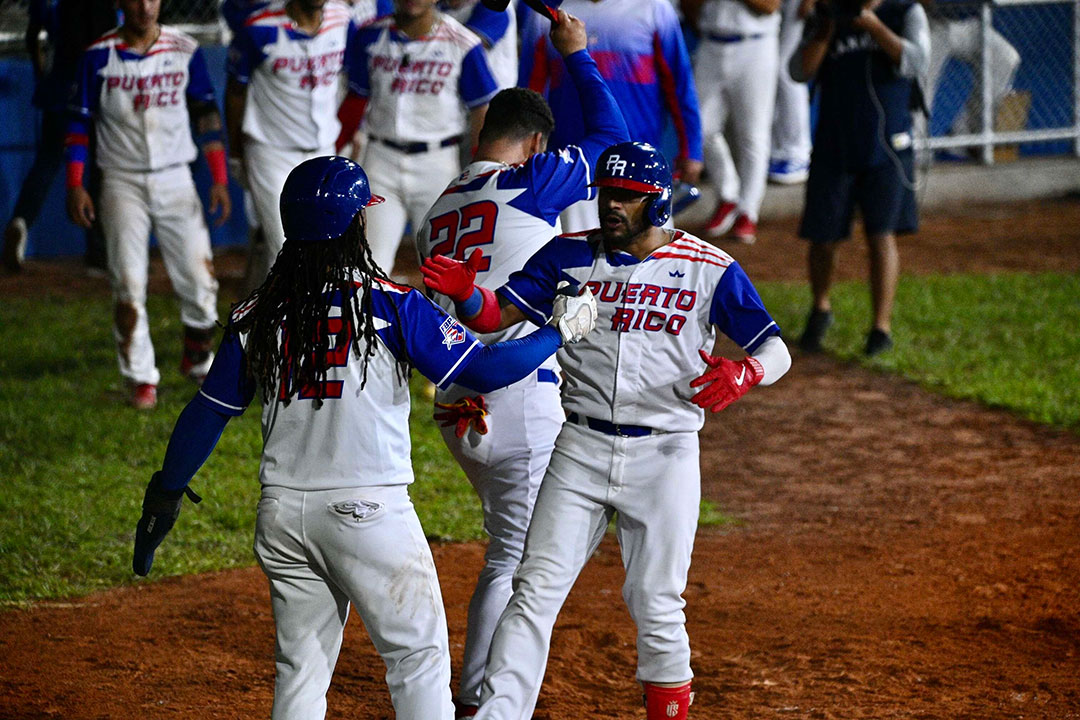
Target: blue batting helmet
[
  {"x": 322, "y": 196},
  {"x": 639, "y": 167}
]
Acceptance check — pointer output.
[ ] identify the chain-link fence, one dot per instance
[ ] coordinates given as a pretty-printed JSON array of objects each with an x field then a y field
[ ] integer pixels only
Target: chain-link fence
[{"x": 1004, "y": 74}]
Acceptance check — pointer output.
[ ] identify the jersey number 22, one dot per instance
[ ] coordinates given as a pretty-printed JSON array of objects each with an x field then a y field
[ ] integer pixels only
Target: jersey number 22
[{"x": 455, "y": 233}]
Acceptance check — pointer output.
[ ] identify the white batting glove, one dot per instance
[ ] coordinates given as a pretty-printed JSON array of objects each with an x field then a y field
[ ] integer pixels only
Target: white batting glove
[{"x": 574, "y": 316}]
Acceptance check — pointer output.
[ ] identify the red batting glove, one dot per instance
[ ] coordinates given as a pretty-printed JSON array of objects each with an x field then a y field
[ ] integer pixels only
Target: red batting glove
[
  {"x": 725, "y": 381},
  {"x": 452, "y": 278},
  {"x": 464, "y": 413}
]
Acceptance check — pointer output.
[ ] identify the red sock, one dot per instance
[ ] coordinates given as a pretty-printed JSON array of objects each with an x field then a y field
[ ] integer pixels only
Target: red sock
[{"x": 667, "y": 703}]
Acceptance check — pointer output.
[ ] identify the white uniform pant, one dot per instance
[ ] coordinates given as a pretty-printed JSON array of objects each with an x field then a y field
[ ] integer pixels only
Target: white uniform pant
[
  {"x": 652, "y": 485},
  {"x": 131, "y": 205},
  {"x": 962, "y": 39},
  {"x": 319, "y": 559},
  {"x": 736, "y": 84},
  {"x": 411, "y": 183},
  {"x": 791, "y": 117},
  {"x": 505, "y": 467},
  {"x": 267, "y": 167}
]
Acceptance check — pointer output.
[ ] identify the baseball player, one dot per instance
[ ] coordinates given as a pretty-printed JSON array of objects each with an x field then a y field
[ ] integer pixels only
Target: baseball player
[
  {"x": 789, "y": 161},
  {"x": 70, "y": 26},
  {"x": 420, "y": 83},
  {"x": 635, "y": 396},
  {"x": 502, "y": 209},
  {"x": 281, "y": 102},
  {"x": 642, "y": 56},
  {"x": 140, "y": 85},
  {"x": 497, "y": 30},
  {"x": 735, "y": 70},
  {"x": 328, "y": 343}
]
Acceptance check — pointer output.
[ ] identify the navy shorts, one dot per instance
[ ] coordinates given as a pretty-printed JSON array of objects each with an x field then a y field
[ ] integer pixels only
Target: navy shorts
[{"x": 885, "y": 198}]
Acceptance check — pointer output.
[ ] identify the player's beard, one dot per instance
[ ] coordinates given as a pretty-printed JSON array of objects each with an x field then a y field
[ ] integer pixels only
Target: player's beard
[{"x": 622, "y": 233}]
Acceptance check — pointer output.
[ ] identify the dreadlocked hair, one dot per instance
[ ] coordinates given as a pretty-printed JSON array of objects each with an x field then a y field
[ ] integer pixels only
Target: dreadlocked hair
[{"x": 288, "y": 330}]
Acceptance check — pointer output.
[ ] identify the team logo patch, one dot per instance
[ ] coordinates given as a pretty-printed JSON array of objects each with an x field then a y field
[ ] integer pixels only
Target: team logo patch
[
  {"x": 453, "y": 334},
  {"x": 673, "y": 708},
  {"x": 357, "y": 509},
  {"x": 616, "y": 165}
]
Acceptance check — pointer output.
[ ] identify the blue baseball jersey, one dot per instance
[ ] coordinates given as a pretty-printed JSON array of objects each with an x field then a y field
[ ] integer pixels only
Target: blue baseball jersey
[
  {"x": 139, "y": 101},
  {"x": 653, "y": 317},
  {"x": 639, "y": 47},
  {"x": 498, "y": 31},
  {"x": 360, "y": 435}
]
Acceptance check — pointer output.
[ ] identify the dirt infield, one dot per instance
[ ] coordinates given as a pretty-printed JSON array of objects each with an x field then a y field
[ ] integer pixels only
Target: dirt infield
[{"x": 899, "y": 555}]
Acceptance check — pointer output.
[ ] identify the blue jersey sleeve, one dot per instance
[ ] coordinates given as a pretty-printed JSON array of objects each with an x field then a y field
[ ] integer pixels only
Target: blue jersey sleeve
[
  {"x": 676, "y": 76},
  {"x": 532, "y": 288},
  {"x": 243, "y": 57},
  {"x": 418, "y": 331},
  {"x": 489, "y": 24},
  {"x": 199, "y": 88},
  {"x": 227, "y": 388},
  {"x": 738, "y": 311},
  {"x": 356, "y": 60},
  {"x": 87, "y": 95},
  {"x": 477, "y": 85}
]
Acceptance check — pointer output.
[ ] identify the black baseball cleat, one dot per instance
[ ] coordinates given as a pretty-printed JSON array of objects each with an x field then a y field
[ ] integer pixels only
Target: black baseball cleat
[
  {"x": 878, "y": 341},
  {"x": 816, "y": 325}
]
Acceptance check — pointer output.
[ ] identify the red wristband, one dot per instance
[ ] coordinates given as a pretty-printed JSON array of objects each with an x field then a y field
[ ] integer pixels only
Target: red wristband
[
  {"x": 215, "y": 159},
  {"x": 75, "y": 170},
  {"x": 490, "y": 315}
]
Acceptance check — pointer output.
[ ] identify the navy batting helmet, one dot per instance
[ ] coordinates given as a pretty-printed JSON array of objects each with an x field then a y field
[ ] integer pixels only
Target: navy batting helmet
[
  {"x": 639, "y": 167},
  {"x": 322, "y": 196}
]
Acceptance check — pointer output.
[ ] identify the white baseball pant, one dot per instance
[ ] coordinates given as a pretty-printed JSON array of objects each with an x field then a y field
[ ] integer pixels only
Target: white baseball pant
[
  {"x": 505, "y": 467},
  {"x": 962, "y": 39},
  {"x": 791, "y": 116},
  {"x": 652, "y": 485},
  {"x": 319, "y": 559},
  {"x": 267, "y": 167},
  {"x": 131, "y": 206},
  {"x": 736, "y": 84},
  {"x": 411, "y": 183}
]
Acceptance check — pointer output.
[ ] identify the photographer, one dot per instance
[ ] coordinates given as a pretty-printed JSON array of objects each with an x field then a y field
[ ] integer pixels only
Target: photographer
[{"x": 866, "y": 59}]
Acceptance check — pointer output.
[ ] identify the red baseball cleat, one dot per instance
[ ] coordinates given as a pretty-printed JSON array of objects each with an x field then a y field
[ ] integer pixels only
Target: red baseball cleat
[
  {"x": 144, "y": 396},
  {"x": 744, "y": 230},
  {"x": 721, "y": 220}
]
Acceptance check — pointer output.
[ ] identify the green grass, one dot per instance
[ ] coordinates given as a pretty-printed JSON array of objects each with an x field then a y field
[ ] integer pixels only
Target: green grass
[
  {"x": 1007, "y": 341},
  {"x": 74, "y": 459}
]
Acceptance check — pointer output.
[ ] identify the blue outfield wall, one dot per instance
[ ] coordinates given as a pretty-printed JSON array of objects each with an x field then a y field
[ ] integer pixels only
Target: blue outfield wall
[{"x": 52, "y": 233}]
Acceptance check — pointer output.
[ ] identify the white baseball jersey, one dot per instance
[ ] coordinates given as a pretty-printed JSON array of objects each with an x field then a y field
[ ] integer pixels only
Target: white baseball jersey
[
  {"x": 292, "y": 77},
  {"x": 654, "y": 315},
  {"x": 733, "y": 17},
  {"x": 140, "y": 101},
  {"x": 360, "y": 436},
  {"x": 419, "y": 89},
  {"x": 497, "y": 30}
]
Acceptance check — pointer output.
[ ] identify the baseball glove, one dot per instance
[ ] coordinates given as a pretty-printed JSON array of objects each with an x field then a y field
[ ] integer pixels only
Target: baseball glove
[{"x": 160, "y": 509}]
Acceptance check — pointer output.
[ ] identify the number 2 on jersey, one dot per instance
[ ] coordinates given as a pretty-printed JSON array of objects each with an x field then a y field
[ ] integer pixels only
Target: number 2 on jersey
[{"x": 457, "y": 232}]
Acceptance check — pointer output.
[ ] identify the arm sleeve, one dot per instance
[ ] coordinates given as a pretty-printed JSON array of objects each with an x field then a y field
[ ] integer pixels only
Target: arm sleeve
[
  {"x": 242, "y": 57},
  {"x": 489, "y": 24},
  {"x": 418, "y": 331},
  {"x": 915, "y": 43},
  {"x": 195, "y": 436},
  {"x": 502, "y": 364},
  {"x": 774, "y": 358},
  {"x": 477, "y": 85},
  {"x": 199, "y": 86},
  {"x": 82, "y": 108},
  {"x": 738, "y": 311},
  {"x": 676, "y": 78},
  {"x": 227, "y": 388}
]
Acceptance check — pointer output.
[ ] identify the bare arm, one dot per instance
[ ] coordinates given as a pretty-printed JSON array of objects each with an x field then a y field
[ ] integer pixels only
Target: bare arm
[
  {"x": 476, "y": 122},
  {"x": 806, "y": 61},
  {"x": 763, "y": 7},
  {"x": 235, "y": 104},
  {"x": 691, "y": 10}
]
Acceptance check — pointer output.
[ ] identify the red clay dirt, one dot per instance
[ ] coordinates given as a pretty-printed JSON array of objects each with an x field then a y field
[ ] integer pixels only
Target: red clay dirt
[{"x": 899, "y": 555}]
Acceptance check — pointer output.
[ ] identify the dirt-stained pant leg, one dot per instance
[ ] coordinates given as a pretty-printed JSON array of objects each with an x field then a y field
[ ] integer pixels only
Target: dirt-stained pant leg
[
  {"x": 322, "y": 550},
  {"x": 124, "y": 210}
]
